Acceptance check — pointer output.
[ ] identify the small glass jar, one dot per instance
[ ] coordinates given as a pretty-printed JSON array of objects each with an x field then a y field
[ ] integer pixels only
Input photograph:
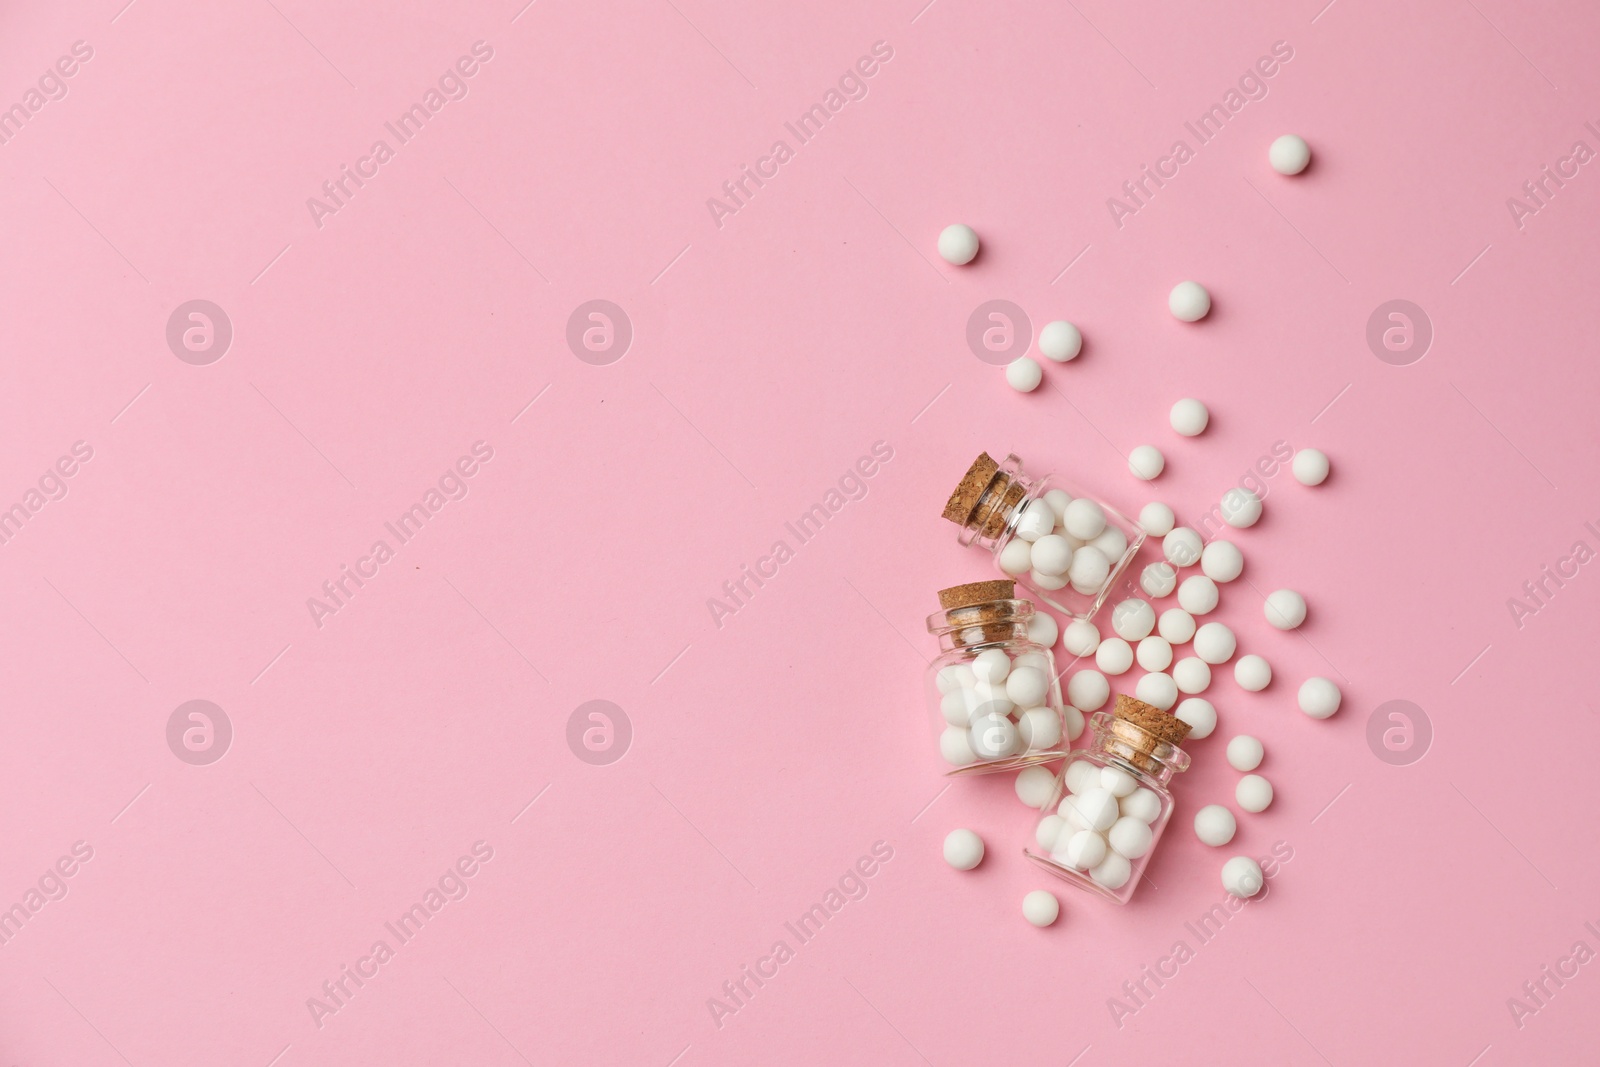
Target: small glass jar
[
  {"x": 993, "y": 692},
  {"x": 1104, "y": 819},
  {"x": 1001, "y": 508}
]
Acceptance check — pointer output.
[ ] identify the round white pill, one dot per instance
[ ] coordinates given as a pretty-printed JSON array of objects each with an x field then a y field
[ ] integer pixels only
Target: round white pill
[
  {"x": 1146, "y": 462},
  {"x": 1215, "y": 825},
  {"x": 955, "y": 677},
  {"x": 1242, "y": 877},
  {"x": 1111, "y": 541},
  {"x": 1081, "y": 775},
  {"x": 1113, "y": 871},
  {"x": 1141, "y": 804},
  {"x": 1026, "y": 686},
  {"x": 1197, "y": 595},
  {"x": 1319, "y": 698},
  {"x": 1047, "y": 582},
  {"x": 1034, "y": 786},
  {"x": 1048, "y": 832},
  {"x": 1097, "y": 808},
  {"x": 1114, "y": 656},
  {"x": 991, "y": 665},
  {"x": 1154, "y": 654},
  {"x": 1051, "y": 554},
  {"x": 1084, "y": 849},
  {"x": 1040, "y": 908},
  {"x": 1310, "y": 466},
  {"x": 1189, "y": 301},
  {"x": 989, "y": 698},
  {"x": 1080, "y": 638},
  {"x": 1072, "y": 722},
  {"x": 1157, "y": 689},
  {"x": 1043, "y": 630},
  {"x": 1024, "y": 374},
  {"x": 957, "y": 707},
  {"x": 1252, "y": 673},
  {"x": 1221, "y": 561},
  {"x": 1130, "y": 837},
  {"x": 1285, "y": 608},
  {"x": 1244, "y": 753},
  {"x": 955, "y": 745},
  {"x": 1241, "y": 508},
  {"x": 1189, "y": 417},
  {"x": 1089, "y": 569},
  {"x": 1215, "y": 643},
  {"x": 1039, "y": 729},
  {"x": 1088, "y": 690},
  {"x": 1192, "y": 675},
  {"x": 1182, "y": 547},
  {"x": 994, "y": 737},
  {"x": 958, "y": 244},
  {"x": 1201, "y": 716},
  {"x": 1254, "y": 793},
  {"x": 1156, "y": 519},
  {"x": 1058, "y": 499},
  {"x": 1060, "y": 341},
  {"x": 1158, "y": 579},
  {"x": 1118, "y": 782},
  {"x": 1037, "y": 519},
  {"x": 1084, "y": 519},
  {"x": 1016, "y": 559},
  {"x": 1133, "y": 619},
  {"x": 963, "y": 849},
  {"x": 1289, "y": 154},
  {"x": 1176, "y": 625}
]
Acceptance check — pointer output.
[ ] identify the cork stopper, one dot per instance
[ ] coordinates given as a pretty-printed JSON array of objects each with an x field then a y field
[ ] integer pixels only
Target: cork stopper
[
  {"x": 965, "y": 596},
  {"x": 984, "y": 498},
  {"x": 1138, "y": 730},
  {"x": 980, "y": 612}
]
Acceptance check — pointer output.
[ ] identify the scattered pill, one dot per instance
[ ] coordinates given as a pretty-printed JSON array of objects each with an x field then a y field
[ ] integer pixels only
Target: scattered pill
[
  {"x": 1081, "y": 638},
  {"x": 958, "y": 244},
  {"x": 1156, "y": 519},
  {"x": 1060, "y": 341},
  {"x": 1043, "y": 630},
  {"x": 1319, "y": 698},
  {"x": 1190, "y": 417},
  {"x": 1158, "y": 579},
  {"x": 1289, "y": 154},
  {"x": 1071, "y": 722},
  {"x": 1197, "y": 595},
  {"x": 1118, "y": 782},
  {"x": 1024, "y": 374},
  {"x": 1252, "y": 673},
  {"x": 1041, "y": 908},
  {"x": 1084, "y": 849},
  {"x": 1215, "y": 825},
  {"x": 1176, "y": 625},
  {"x": 1182, "y": 547},
  {"x": 1133, "y": 619},
  {"x": 1221, "y": 561},
  {"x": 1154, "y": 654},
  {"x": 1241, "y": 508},
  {"x": 1088, "y": 690},
  {"x": 963, "y": 849},
  {"x": 1034, "y": 786},
  {"x": 1146, "y": 462},
  {"x": 1254, "y": 793},
  {"x": 1192, "y": 675},
  {"x": 1113, "y": 872},
  {"x": 1188, "y": 301},
  {"x": 1285, "y": 608},
  {"x": 1245, "y": 753},
  {"x": 1241, "y": 877},
  {"x": 1141, "y": 804},
  {"x": 1310, "y": 466},
  {"x": 1215, "y": 643},
  {"x": 1130, "y": 837},
  {"x": 1157, "y": 689},
  {"x": 1201, "y": 716},
  {"x": 1114, "y": 656}
]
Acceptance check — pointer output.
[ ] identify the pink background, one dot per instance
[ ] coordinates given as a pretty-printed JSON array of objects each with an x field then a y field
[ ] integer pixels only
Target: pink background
[{"x": 770, "y": 753}]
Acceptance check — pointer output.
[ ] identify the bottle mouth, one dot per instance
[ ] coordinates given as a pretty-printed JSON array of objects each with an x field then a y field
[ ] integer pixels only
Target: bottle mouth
[
  {"x": 1136, "y": 746},
  {"x": 1003, "y": 616},
  {"x": 993, "y": 512}
]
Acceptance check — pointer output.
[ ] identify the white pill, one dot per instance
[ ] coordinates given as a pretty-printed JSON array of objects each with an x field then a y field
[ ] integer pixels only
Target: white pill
[
  {"x": 957, "y": 707},
  {"x": 955, "y": 677},
  {"x": 1113, "y": 871},
  {"x": 1024, "y": 374},
  {"x": 1039, "y": 729},
  {"x": 1084, "y": 849},
  {"x": 1188, "y": 301},
  {"x": 1111, "y": 541},
  {"x": 1041, "y": 908},
  {"x": 1157, "y": 689},
  {"x": 1081, "y": 775},
  {"x": 1130, "y": 837},
  {"x": 1241, "y": 508},
  {"x": 1133, "y": 619},
  {"x": 1156, "y": 519},
  {"x": 1060, "y": 341},
  {"x": 1118, "y": 782},
  {"x": 1088, "y": 690},
  {"x": 1048, "y": 832},
  {"x": 1058, "y": 499},
  {"x": 1182, "y": 547},
  {"x": 1158, "y": 580},
  {"x": 1043, "y": 630},
  {"x": 1221, "y": 561},
  {"x": 1319, "y": 698},
  {"x": 1089, "y": 569},
  {"x": 963, "y": 849},
  {"x": 991, "y": 665},
  {"x": 1245, "y": 753},
  {"x": 1034, "y": 786},
  {"x": 1176, "y": 625},
  {"x": 1285, "y": 608},
  {"x": 1192, "y": 675},
  {"x": 1141, "y": 804},
  {"x": 955, "y": 745},
  {"x": 1154, "y": 654},
  {"x": 1016, "y": 559},
  {"x": 1201, "y": 716},
  {"x": 1215, "y": 825},
  {"x": 1146, "y": 462},
  {"x": 1114, "y": 656},
  {"x": 1252, "y": 673},
  {"x": 1048, "y": 582},
  {"x": 1197, "y": 595},
  {"x": 1254, "y": 793},
  {"x": 958, "y": 244},
  {"x": 994, "y": 737},
  {"x": 1084, "y": 519},
  {"x": 989, "y": 698},
  {"x": 1037, "y": 520},
  {"x": 1241, "y": 877},
  {"x": 1072, "y": 722},
  {"x": 1310, "y": 466},
  {"x": 1215, "y": 643},
  {"x": 1190, "y": 417},
  {"x": 1080, "y": 638},
  {"x": 1097, "y": 808},
  {"x": 1039, "y": 661},
  {"x": 1051, "y": 554},
  {"x": 1289, "y": 154},
  {"x": 1026, "y": 686}
]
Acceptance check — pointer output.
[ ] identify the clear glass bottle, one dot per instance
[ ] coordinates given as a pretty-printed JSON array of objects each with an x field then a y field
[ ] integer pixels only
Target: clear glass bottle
[
  {"x": 1104, "y": 819},
  {"x": 993, "y": 692},
  {"x": 1001, "y": 508}
]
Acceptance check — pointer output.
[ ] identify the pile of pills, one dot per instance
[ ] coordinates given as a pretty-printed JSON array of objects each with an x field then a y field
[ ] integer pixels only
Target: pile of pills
[
  {"x": 998, "y": 706},
  {"x": 1061, "y": 540},
  {"x": 1102, "y": 824}
]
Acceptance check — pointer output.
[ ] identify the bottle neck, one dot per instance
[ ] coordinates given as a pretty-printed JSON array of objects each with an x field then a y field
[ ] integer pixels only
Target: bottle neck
[
  {"x": 990, "y": 623},
  {"x": 1137, "y": 749},
  {"x": 993, "y": 518}
]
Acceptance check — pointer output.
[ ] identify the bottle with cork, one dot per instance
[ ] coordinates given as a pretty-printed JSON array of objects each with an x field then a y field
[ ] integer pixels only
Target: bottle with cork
[
  {"x": 1111, "y": 801},
  {"x": 1067, "y": 547},
  {"x": 993, "y": 691}
]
